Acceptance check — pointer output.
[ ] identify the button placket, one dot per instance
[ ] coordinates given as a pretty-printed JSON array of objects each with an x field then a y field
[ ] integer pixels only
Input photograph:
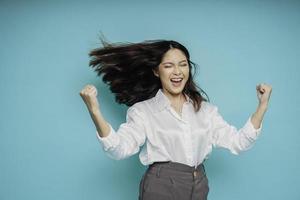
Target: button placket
[{"x": 188, "y": 142}]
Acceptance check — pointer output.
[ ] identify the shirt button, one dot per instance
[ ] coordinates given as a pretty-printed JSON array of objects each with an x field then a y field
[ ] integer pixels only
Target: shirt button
[{"x": 195, "y": 173}]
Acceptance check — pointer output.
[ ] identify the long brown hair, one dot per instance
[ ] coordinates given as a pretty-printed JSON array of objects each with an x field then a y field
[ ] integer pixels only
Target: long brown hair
[{"x": 128, "y": 69}]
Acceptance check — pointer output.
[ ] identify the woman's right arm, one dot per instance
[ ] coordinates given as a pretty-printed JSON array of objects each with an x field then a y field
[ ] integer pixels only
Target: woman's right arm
[
  {"x": 89, "y": 96},
  {"x": 102, "y": 126},
  {"x": 122, "y": 143}
]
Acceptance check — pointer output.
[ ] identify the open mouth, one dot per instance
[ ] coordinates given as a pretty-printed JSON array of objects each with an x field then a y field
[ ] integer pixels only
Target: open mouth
[{"x": 176, "y": 81}]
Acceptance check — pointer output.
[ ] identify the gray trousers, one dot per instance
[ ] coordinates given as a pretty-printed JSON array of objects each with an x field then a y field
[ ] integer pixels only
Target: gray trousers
[{"x": 173, "y": 181}]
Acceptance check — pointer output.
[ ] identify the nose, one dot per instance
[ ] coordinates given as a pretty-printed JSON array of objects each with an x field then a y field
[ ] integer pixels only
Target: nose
[{"x": 176, "y": 70}]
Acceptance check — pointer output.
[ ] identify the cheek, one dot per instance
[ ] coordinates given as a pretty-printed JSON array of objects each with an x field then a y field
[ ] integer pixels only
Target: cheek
[
  {"x": 165, "y": 74},
  {"x": 164, "y": 78},
  {"x": 186, "y": 73}
]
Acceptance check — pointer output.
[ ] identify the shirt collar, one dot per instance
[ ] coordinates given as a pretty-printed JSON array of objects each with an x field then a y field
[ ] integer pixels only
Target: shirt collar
[{"x": 161, "y": 100}]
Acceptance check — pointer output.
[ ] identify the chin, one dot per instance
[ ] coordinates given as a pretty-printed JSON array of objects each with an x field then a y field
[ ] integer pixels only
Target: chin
[{"x": 176, "y": 90}]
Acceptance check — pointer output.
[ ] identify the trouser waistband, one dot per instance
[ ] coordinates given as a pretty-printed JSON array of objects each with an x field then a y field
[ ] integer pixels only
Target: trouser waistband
[{"x": 177, "y": 166}]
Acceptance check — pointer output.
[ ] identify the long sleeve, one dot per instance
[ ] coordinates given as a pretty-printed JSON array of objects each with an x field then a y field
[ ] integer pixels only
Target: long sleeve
[
  {"x": 126, "y": 141},
  {"x": 227, "y": 136}
]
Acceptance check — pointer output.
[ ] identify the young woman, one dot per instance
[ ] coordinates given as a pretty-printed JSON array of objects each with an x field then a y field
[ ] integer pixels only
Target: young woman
[{"x": 168, "y": 117}]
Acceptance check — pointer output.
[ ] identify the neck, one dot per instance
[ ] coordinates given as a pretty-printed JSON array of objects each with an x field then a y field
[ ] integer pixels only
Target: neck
[{"x": 175, "y": 99}]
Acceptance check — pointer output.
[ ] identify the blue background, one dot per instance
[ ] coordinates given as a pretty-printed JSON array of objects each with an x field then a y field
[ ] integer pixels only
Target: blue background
[{"x": 48, "y": 145}]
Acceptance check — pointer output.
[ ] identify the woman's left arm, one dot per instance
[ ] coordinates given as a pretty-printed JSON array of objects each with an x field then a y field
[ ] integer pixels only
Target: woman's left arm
[
  {"x": 228, "y": 136},
  {"x": 263, "y": 94}
]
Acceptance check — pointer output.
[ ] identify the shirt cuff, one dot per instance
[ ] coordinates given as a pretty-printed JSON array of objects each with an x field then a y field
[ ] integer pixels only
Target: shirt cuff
[
  {"x": 250, "y": 130},
  {"x": 109, "y": 142}
]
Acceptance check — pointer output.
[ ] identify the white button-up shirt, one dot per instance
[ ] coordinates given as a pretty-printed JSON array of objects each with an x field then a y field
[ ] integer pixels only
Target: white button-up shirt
[{"x": 163, "y": 135}]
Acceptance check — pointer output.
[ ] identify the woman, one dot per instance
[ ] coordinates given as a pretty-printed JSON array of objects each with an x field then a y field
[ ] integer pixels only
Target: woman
[{"x": 168, "y": 114}]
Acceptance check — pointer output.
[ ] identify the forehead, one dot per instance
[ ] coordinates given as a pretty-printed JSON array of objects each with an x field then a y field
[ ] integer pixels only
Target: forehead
[{"x": 174, "y": 55}]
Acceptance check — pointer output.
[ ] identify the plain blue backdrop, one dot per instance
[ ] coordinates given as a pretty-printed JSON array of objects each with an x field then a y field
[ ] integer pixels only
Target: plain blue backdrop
[{"x": 48, "y": 145}]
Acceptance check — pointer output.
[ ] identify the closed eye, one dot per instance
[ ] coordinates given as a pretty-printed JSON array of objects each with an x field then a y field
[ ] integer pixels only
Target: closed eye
[{"x": 171, "y": 66}]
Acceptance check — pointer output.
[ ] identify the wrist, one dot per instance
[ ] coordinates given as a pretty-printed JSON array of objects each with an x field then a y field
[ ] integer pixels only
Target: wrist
[{"x": 262, "y": 106}]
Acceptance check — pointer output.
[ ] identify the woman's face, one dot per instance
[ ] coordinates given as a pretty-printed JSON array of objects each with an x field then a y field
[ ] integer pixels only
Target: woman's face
[{"x": 173, "y": 71}]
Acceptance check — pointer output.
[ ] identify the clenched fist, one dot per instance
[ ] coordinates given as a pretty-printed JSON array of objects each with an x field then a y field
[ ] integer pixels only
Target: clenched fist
[
  {"x": 263, "y": 93},
  {"x": 89, "y": 96}
]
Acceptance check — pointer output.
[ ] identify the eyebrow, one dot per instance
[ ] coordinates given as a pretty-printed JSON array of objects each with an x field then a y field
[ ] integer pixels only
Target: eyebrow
[{"x": 173, "y": 63}]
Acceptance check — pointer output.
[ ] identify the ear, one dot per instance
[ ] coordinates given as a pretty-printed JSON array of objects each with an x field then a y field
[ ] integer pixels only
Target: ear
[{"x": 155, "y": 73}]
